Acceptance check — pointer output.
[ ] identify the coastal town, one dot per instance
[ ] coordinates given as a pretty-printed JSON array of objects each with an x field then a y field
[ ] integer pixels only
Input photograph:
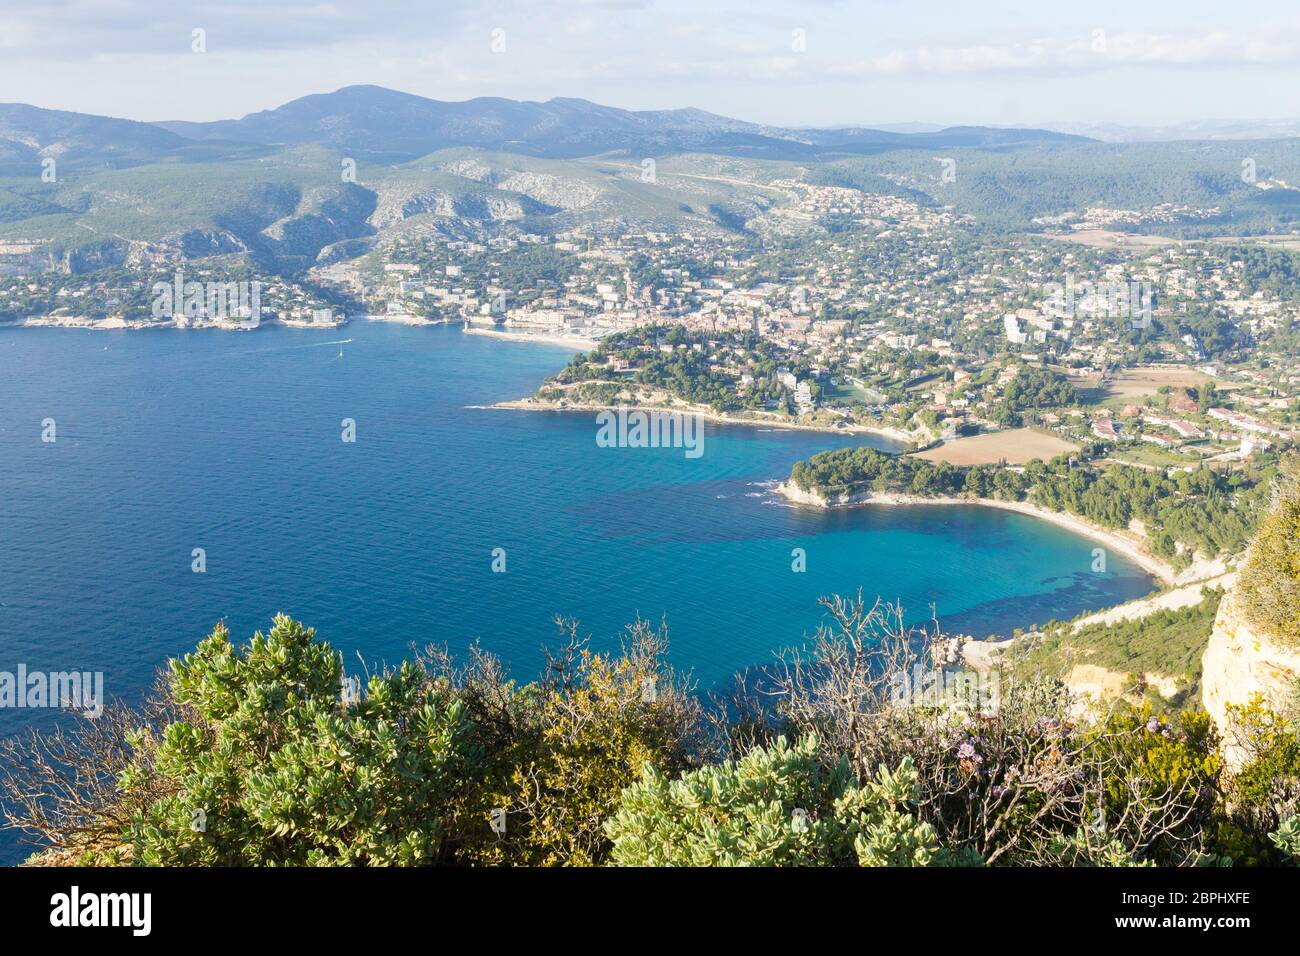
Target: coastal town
[
  {"x": 855, "y": 311},
  {"x": 1170, "y": 356}
]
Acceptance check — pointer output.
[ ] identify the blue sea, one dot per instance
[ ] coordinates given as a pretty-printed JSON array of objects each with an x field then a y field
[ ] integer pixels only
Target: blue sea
[{"x": 171, "y": 441}]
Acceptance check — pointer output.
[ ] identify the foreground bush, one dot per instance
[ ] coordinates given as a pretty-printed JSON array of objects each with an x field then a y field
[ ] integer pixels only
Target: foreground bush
[
  {"x": 1009, "y": 772},
  {"x": 780, "y": 806},
  {"x": 268, "y": 767},
  {"x": 1270, "y": 581},
  {"x": 1287, "y": 838},
  {"x": 261, "y": 754},
  {"x": 257, "y": 755},
  {"x": 562, "y": 750}
]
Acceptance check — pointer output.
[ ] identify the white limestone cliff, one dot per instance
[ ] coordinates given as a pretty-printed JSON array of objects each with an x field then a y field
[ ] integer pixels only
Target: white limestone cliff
[{"x": 1241, "y": 662}]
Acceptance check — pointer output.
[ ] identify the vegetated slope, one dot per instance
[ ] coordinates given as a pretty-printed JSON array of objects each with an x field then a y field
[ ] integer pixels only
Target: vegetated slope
[
  {"x": 29, "y": 134},
  {"x": 299, "y": 206},
  {"x": 276, "y": 185},
  {"x": 1015, "y": 187},
  {"x": 284, "y": 210},
  {"x": 1166, "y": 643}
]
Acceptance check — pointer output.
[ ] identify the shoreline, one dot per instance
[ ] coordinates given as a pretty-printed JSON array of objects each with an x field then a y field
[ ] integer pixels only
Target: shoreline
[
  {"x": 118, "y": 324},
  {"x": 532, "y": 405},
  {"x": 143, "y": 325},
  {"x": 400, "y": 318},
  {"x": 1153, "y": 565},
  {"x": 572, "y": 341}
]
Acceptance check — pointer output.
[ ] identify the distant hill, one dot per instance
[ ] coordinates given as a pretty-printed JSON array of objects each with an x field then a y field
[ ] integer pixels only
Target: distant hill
[
  {"x": 277, "y": 186},
  {"x": 382, "y": 125},
  {"x": 1201, "y": 130},
  {"x": 28, "y": 134},
  {"x": 858, "y": 140},
  {"x": 378, "y": 123}
]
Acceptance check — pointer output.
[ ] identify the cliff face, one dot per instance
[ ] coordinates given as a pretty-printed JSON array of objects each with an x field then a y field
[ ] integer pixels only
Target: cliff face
[
  {"x": 1239, "y": 663},
  {"x": 793, "y": 492}
]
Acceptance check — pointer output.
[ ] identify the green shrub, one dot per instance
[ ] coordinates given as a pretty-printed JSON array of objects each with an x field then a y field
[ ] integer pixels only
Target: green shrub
[
  {"x": 575, "y": 743},
  {"x": 1267, "y": 786},
  {"x": 1287, "y": 838},
  {"x": 269, "y": 767},
  {"x": 249, "y": 756},
  {"x": 777, "y": 806},
  {"x": 1270, "y": 581},
  {"x": 1085, "y": 848}
]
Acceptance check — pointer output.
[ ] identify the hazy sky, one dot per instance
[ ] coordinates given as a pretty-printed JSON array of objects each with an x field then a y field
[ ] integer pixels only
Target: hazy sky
[{"x": 789, "y": 63}]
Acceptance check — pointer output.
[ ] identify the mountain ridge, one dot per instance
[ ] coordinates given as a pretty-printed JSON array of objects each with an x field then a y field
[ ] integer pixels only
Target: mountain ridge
[{"x": 377, "y": 122}]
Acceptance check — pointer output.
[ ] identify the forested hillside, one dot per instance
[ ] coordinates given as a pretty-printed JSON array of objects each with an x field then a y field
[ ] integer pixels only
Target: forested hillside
[{"x": 1206, "y": 511}]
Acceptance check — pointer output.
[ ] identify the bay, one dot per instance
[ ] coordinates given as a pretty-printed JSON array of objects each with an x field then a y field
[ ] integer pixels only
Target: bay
[{"x": 171, "y": 441}]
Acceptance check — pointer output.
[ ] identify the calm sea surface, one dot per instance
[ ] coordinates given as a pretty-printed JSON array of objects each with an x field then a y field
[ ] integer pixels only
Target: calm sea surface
[{"x": 169, "y": 441}]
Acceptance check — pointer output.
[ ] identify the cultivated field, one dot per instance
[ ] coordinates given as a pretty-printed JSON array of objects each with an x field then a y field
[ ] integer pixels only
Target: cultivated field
[
  {"x": 1109, "y": 239},
  {"x": 1139, "y": 382},
  {"x": 1289, "y": 242},
  {"x": 1016, "y": 447}
]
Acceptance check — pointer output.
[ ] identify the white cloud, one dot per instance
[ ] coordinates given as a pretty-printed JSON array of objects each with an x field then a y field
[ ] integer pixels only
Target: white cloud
[
  {"x": 1096, "y": 51},
  {"x": 131, "y": 57}
]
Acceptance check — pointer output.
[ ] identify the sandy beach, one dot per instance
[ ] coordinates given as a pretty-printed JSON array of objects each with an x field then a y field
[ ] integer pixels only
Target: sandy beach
[
  {"x": 404, "y": 318},
  {"x": 533, "y": 405},
  {"x": 1113, "y": 540},
  {"x": 573, "y": 341},
  {"x": 113, "y": 323}
]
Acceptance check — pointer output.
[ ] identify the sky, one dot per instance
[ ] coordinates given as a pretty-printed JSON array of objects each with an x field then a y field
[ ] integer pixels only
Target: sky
[{"x": 817, "y": 63}]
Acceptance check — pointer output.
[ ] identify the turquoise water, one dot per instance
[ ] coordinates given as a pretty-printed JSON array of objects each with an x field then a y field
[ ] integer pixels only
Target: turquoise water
[{"x": 169, "y": 441}]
